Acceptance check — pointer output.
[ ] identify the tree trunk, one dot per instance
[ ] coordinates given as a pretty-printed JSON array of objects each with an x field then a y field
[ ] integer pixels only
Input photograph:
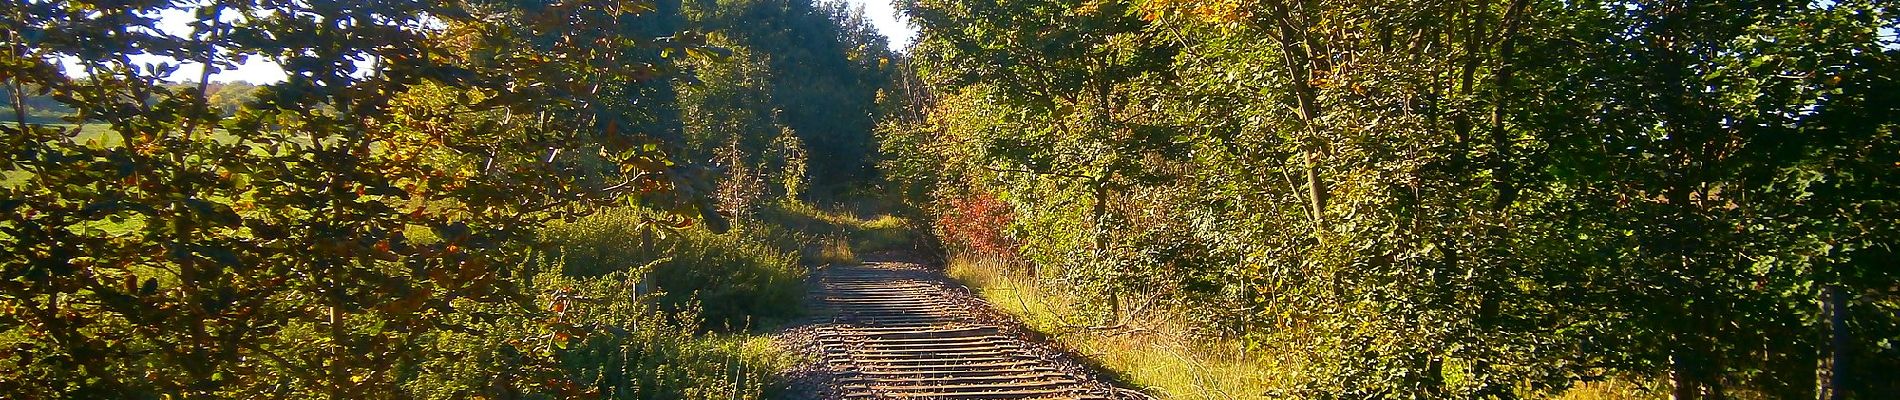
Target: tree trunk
[
  {"x": 1296, "y": 55},
  {"x": 1316, "y": 189},
  {"x": 1694, "y": 361},
  {"x": 1098, "y": 214},
  {"x": 1682, "y": 385},
  {"x": 1834, "y": 365},
  {"x": 1504, "y": 183}
]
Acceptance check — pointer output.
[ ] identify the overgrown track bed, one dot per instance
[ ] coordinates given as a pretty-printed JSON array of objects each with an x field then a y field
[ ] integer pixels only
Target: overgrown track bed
[{"x": 896, "y": 330}]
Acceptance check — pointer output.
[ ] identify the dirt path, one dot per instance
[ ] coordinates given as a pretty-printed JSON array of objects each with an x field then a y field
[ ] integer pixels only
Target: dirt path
[{"x": 894, "y": 329}]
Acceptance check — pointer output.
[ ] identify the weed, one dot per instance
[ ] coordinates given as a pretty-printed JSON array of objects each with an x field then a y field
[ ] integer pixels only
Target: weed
[
  {"x": 619, "y": 349},
  {"x": 836, "y": 250},
  {"x": 1155, "y": 351},
  {"x": 635, "y": 314},
  {"x": 734, "y": 281},
  {"x": 834, "y": 235},
  {"x": 1615, "y": 389}
]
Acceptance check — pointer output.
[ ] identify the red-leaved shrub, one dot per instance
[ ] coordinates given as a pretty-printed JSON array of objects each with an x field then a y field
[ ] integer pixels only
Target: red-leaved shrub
[{"x": 975, "y": 224}]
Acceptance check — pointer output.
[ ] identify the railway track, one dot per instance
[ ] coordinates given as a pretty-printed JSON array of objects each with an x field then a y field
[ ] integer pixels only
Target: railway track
[{"x": 892, "y": 330}]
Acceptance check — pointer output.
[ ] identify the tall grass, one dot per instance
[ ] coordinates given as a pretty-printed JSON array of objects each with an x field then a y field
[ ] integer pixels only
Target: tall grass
[
  {"x": 1160, "y": 352},
  {"x": 834, "y": 235},
  {"x": 1155, "y": 351},
  {"x": 619, "y": 349},
  {"x": 1616, "y": 389},
  {"x": 836, "y": 250},
  {"x": 732, "y": 281},
  {"x": 644, "y": 315}
]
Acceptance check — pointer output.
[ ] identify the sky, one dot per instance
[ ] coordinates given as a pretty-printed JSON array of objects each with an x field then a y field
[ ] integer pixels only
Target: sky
[
  {"x": 881, "y": 12},
  {"x": 885, "y": 18}
]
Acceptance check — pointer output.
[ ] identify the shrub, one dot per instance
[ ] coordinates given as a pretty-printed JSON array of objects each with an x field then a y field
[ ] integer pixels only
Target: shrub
[
  {"x": 732, "y": 282},
  {"x": 975, "y": 223},
  {"x": 605, "y": 341},
  {"x": 622, "y": 309},
  {"x": 832, "y": 235}
]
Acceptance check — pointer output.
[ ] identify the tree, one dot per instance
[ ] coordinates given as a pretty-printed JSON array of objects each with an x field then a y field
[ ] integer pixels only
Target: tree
[
  {"x": 1465, "y": 199},
  {"x": 819, "y": 69},
  {"x": 281, "y": 250},
  {"x": 1076, "y": 71}
]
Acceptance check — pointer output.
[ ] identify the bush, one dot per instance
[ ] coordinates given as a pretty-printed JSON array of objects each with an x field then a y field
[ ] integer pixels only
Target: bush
[
  {"x": 975, "y": 223},
  {"x": 605, "y": 341},
  {"x": 732, "y": 283},
  {"x": 834, "y": 234},
  {"x": 735, "y": 284},
  {"x": 621, "y": 309}
]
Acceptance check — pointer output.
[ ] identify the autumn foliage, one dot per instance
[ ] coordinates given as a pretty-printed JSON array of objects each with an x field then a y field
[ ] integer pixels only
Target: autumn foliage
[
  {"x": 1418, "y": 199},
  {"x": 975, "y": 223}
]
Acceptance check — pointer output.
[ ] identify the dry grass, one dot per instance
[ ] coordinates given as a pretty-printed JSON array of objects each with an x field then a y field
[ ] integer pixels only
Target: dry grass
[
  {"x": 1154, "y": 351},
  {"x": 836, "y": 250},
  {"x": 833, "y": 235},
  {"x": 1159, "y": 353},
  {"x": 1615, "y": 389}
]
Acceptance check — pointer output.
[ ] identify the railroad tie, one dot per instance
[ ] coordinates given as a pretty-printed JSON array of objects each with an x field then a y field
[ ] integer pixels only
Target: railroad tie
[{"x": 891, "y": 336}]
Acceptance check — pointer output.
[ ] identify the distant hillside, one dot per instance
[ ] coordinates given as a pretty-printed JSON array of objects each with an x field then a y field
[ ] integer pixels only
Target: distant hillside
[{"x": 48, "y": 109}]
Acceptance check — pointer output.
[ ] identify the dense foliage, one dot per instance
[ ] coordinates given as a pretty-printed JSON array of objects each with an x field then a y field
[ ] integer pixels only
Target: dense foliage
[
  {"x": 974, "y": 224},
  {"x": 223, "y": 97},
  {"x": 630, "y": 314},
  {"x": 807, "y": 84},
  {"x": 1444, "y": 199},
  {"x": 395, "y": 207}
]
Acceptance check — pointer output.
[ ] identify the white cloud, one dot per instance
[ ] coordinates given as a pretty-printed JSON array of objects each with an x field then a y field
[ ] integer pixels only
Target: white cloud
[{"x": 885, "y": 17}]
